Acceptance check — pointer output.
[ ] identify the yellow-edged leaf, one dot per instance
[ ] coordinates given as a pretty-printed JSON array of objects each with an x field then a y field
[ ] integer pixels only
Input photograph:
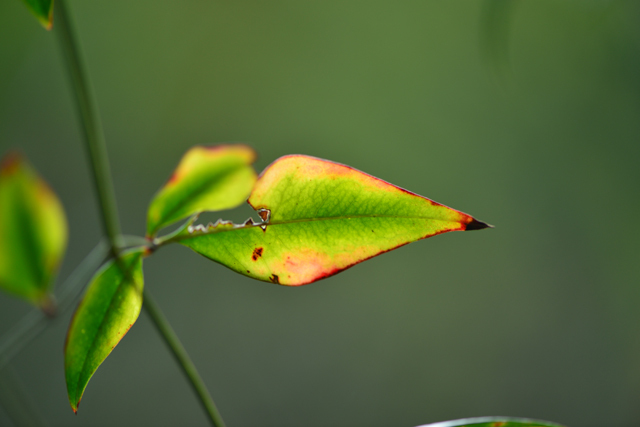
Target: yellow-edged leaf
[
  {"x": 208, "y": 178},
  {"x": 319, "y": 218}
]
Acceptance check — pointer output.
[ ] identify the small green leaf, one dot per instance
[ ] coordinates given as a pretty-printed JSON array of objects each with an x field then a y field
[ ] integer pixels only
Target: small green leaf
[
  {"x": 109, "y": 308},
  {"x": 207, "y": 179},
  {"x": 33, "y": 232},
  {"x": 43, "y": 10},
  {"x": 320, "y": 218},
  {"x": 493, "y": 422}
]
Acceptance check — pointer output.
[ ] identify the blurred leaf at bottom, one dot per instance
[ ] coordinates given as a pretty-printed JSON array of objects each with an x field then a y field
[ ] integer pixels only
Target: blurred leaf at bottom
[{"x": 493, "y": 422}]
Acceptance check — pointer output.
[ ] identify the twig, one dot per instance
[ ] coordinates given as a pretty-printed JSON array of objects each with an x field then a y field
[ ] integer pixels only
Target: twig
[
  {"x": 94, "y": 140},
  {"x": 183, "y": 359},
  {"x": 91, "y": 126}
]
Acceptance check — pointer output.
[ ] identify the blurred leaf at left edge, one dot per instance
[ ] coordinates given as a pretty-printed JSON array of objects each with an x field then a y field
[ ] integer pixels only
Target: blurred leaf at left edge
[
  {"x": 42, "y": 10},
  {"x": 33, "y": 232}
]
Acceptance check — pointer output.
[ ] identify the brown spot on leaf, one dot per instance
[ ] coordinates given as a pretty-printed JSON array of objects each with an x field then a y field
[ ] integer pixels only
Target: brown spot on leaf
[
  {"x": 264, "y": 214},
  {"x": 274, "y": 279},
  {"x": 257, "y": 253}
]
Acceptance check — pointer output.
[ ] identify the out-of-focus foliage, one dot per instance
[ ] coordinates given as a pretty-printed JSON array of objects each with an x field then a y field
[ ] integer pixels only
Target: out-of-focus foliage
[
  {"x": 493, "y": 422},
  {"x": 495, "y": 33},
  {"x": 42, "y": 10},
  {"x": 33, "y": 232}
]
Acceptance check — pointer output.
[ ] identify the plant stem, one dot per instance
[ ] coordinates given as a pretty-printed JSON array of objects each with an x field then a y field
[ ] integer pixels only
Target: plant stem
[
  {"x": 181, "y": 356},
  {"x": 94, "y": 141},
  {"x": 91, "y": 126}
]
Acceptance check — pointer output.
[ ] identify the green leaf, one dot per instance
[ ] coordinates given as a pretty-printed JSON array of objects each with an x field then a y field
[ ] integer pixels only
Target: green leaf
[
  {"x": 43, "y": 10},
  {"x": 207, "y": 179},
  {"x": 109, "y": 308},
  {"x": 33, "y": 232},
  {"x": 493, "y": 422},
  {"x": 320, "y": 218}
]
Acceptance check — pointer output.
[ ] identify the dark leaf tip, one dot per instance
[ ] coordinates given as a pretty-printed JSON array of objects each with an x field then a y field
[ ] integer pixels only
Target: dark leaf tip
[{"x": 477, "y": 225}]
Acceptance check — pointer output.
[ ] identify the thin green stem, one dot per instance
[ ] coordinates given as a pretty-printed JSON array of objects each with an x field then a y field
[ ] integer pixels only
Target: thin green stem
[
  {"x": 183, "y": 359},
  {"x": 94, "y": 141},
  {"x": 91, "y": 126}
]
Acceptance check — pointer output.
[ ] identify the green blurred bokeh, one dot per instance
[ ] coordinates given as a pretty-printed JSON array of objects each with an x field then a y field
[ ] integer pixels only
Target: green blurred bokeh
[{"x": 533, "y": 125}]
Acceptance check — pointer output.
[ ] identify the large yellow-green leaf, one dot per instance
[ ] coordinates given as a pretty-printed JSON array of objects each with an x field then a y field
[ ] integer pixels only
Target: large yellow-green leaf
[
  {"x": 320, "y": 218},
  {"x": 109, "y": 308},
  {"x": 494, "y": 422},
  {"x": 33, "y": 232},
  {"x": 42, "y": 10},
  {"x": 207, "y": 179}
]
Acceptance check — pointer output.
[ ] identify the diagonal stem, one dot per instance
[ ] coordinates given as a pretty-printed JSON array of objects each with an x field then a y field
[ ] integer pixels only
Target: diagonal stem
[
  {"x": 183, "y": 359},
  {"x": 94, "y": 140},
  {"x": 91, "y": 126}
]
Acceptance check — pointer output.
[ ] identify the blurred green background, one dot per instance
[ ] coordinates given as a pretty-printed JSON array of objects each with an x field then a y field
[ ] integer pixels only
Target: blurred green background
[{"x": 526, "y": 117}]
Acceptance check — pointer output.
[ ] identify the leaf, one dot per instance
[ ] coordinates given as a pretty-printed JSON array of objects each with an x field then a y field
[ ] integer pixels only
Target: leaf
[
  {"x": 42, "y": 10},
  {"x": 493, "y": 422},
  {"x": 109, "y": 308},
  {"x": 33, "y": 232},
  {"x": 207, "y": 179},
  {"x": 320, "y": 218}
]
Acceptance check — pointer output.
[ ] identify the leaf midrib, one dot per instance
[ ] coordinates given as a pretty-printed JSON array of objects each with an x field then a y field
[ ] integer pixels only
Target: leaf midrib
[{"x": 293, "y": 221}]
